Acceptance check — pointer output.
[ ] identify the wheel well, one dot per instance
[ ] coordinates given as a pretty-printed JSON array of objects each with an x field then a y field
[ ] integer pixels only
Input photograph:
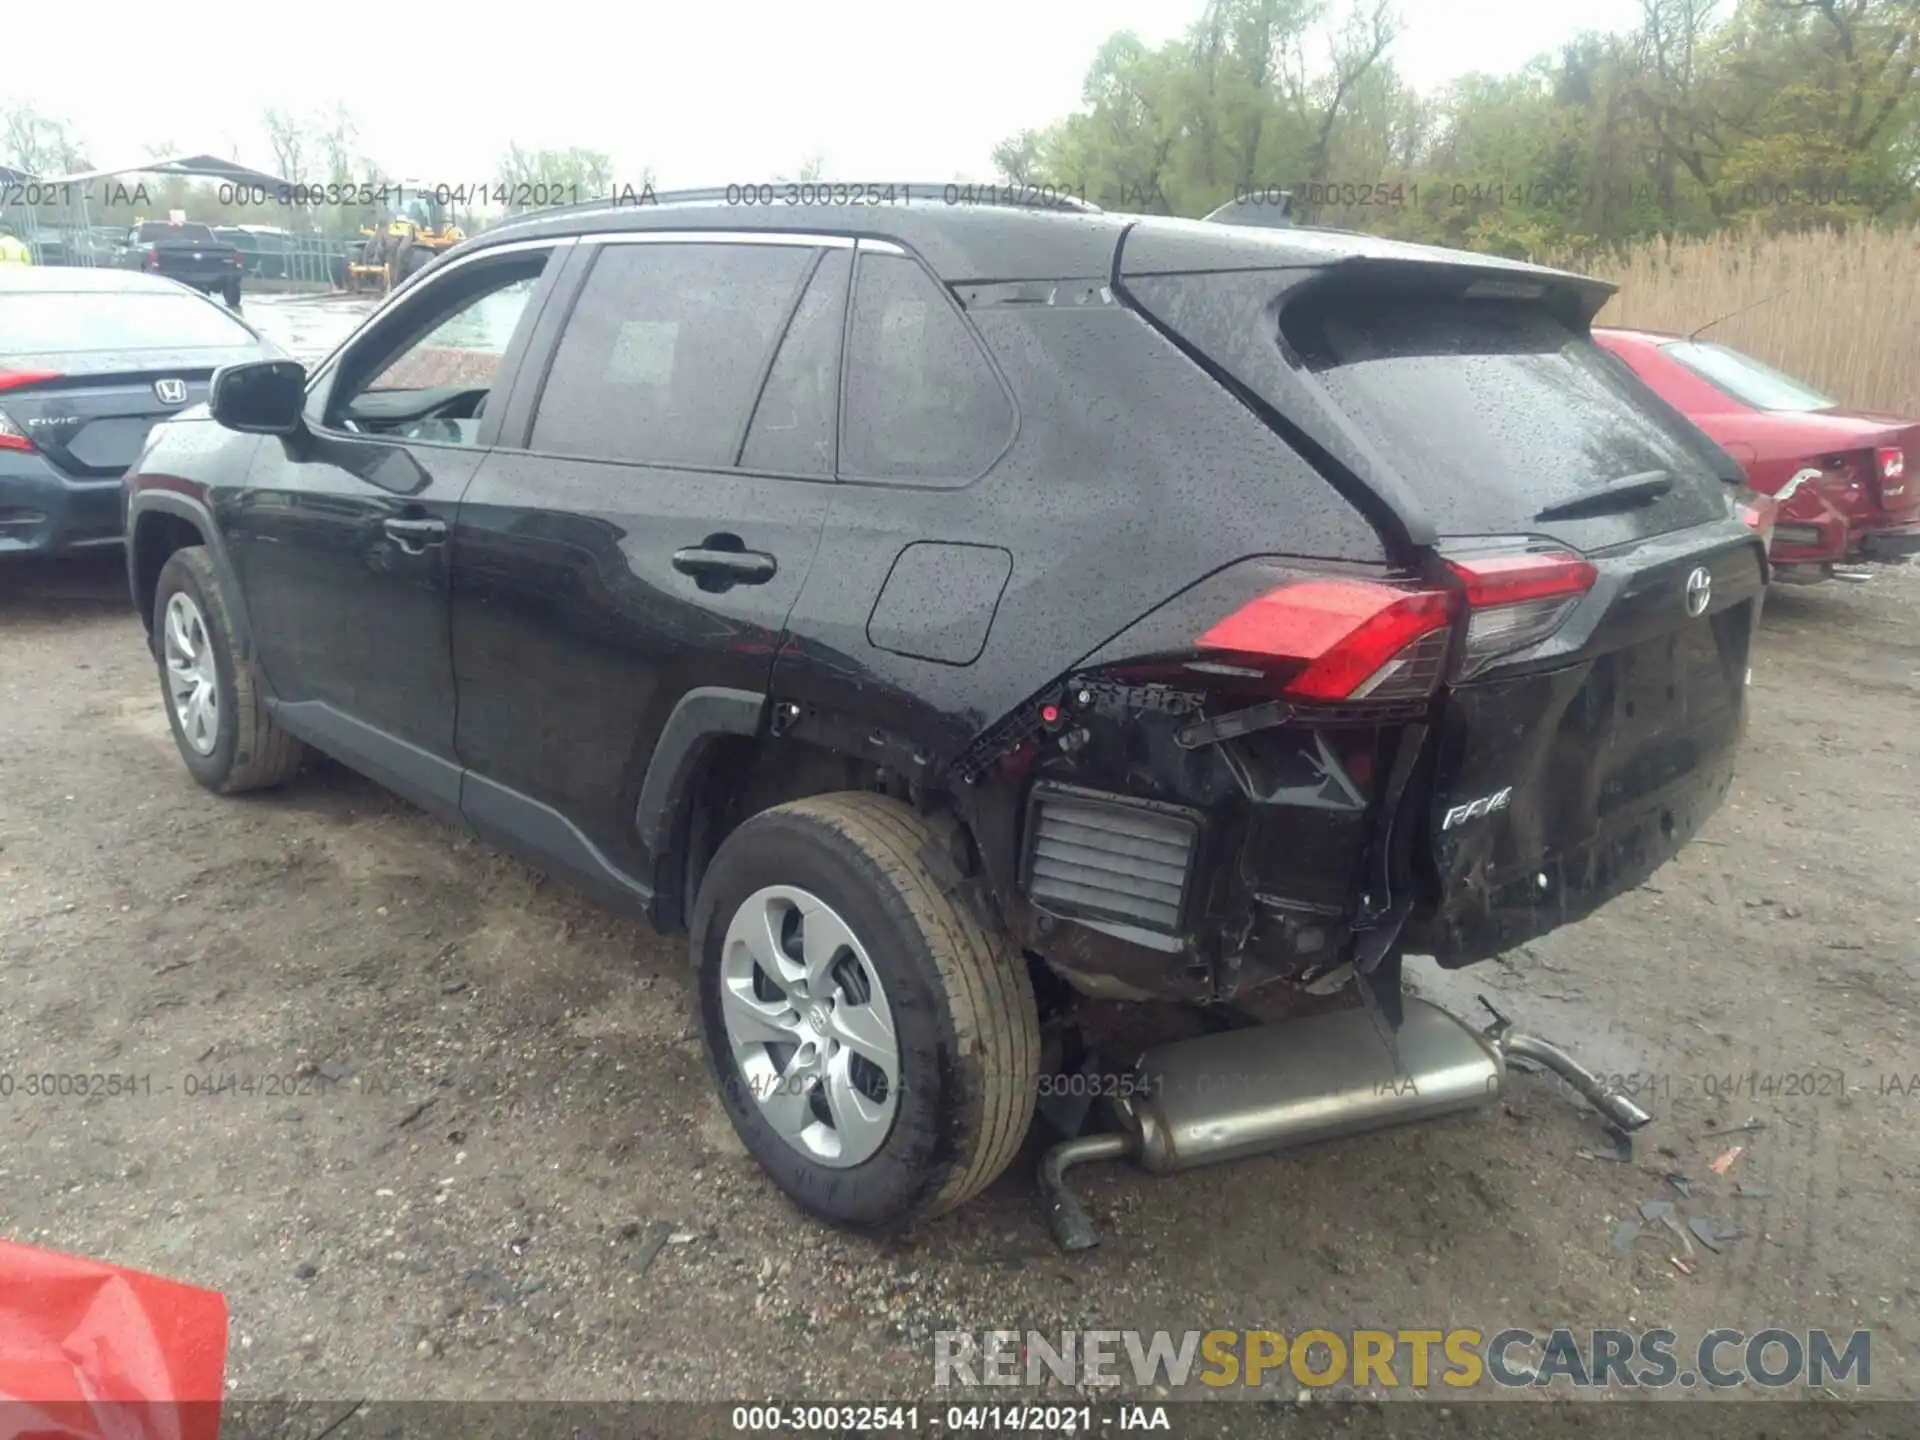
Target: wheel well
[
  {"x": 738, "y": 777},
  {"x": 155, "y": 537}
]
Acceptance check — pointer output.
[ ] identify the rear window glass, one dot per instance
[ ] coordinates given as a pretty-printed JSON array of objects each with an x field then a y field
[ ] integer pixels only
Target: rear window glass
[
  {"x": 923, "y": 404},
  {"x": 110, "y": 320},
  {"x": 187, "y": 232},
  {"x": 1492, "y": 411},
  {"x": 1745, "y": 378}
]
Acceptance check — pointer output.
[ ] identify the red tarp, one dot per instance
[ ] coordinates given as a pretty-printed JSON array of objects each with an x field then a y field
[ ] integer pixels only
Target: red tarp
[{"x": 90, "y": 1351}]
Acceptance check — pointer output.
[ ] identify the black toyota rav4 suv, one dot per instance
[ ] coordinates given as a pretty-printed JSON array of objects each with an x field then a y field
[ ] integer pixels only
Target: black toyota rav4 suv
[{"x": 946, "y": 611}]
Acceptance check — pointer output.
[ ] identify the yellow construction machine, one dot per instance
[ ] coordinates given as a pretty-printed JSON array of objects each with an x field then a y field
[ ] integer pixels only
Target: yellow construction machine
[{"x": 402, "y": 236}]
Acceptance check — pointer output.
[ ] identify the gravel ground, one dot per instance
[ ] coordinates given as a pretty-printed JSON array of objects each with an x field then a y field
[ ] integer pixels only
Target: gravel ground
[{"x": 469, "y": 1148}]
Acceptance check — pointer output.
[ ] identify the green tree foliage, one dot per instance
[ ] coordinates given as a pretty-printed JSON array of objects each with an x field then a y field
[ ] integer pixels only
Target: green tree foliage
[
  {"x": 1703, "y": 115},
  {"x": 534, "y": 178}
]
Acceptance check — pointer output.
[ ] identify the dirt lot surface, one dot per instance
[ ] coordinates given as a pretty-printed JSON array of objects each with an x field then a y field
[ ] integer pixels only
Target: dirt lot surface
[{"x": 439, "y": 1127}]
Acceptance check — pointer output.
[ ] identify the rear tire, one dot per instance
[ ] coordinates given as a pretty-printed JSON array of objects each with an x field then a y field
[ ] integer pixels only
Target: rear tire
[
  {"x": 953, "y": 1002},
  {"x": 228, "y": 740},
  {"x": 231, "y": 293}
]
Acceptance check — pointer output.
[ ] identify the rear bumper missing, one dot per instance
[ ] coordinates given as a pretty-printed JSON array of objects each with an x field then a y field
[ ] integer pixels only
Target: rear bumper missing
[
  {"x": 1493, "y": 917},
  {"x": 1272, "y": 1087}
]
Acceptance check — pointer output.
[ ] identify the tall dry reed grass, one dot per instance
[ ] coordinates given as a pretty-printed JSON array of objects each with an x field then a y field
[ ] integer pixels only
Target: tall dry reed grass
[{"x": 1838, "y": 309}]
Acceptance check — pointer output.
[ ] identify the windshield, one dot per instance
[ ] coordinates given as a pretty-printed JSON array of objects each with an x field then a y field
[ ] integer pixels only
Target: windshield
[
  {"x": 1745, "y": 378},
  {"x": 50, "y": 321}
]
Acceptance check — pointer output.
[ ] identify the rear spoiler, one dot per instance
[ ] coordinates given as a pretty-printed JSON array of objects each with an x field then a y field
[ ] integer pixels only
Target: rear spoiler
[
  {"x": 1272, "y": 210},
  {"x": 1231, "y": 329}
]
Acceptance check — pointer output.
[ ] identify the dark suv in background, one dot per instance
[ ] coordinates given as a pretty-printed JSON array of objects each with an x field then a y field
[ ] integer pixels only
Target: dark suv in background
[
  {"x": 187, "y": 251},
  {"x": 945, "y": 611}
]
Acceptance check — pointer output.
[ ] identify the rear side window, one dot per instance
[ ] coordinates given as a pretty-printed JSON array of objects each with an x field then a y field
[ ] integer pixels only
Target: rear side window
[
  {"x": 922, "y": 402},
  {"x": 665, "y": 350},
  {"x": 1745, "y": 378},
  {"x": 114, "y": 320},
  {"x": 792, "y": 429},
  {"x": 1494, "y": 411}
]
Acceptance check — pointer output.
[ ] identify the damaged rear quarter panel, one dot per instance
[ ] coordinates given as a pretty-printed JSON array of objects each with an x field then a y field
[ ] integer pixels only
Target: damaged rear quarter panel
[{"x": 1132, "y": 476}]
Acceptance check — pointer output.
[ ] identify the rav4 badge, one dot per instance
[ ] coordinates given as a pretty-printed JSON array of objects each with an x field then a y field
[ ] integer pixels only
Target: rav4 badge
[{"x": 1475, "y": 809}]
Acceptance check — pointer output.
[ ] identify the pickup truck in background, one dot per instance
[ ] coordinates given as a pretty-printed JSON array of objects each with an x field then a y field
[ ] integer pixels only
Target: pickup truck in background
[{"x": 186, "y": 251}]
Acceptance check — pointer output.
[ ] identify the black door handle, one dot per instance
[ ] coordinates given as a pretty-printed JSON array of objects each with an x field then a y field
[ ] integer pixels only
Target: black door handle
[
  {"x": 725, "y": 567},
  {"x": 414, "y": 536}
]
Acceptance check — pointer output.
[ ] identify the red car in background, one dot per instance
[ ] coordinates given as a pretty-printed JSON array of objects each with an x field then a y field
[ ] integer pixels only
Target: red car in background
[{"x": 1840, "y": 476}]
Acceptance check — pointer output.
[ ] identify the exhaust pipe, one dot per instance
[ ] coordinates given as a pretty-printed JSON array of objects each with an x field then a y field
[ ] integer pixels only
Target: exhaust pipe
[{"x": 1271, "y": 1087}]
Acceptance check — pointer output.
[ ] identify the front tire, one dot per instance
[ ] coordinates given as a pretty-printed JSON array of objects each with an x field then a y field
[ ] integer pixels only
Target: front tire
[
  {"x": 876, "y": 1050},
  {"x": 220, "y": 722}
]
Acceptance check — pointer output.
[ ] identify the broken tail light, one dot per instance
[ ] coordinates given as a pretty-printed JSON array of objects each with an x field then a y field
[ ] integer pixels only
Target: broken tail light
[
  {"x": 1514, "y": 601},
  {"x": 1332, "y": 640},
  {"x": 1337, "y": 639},
  {"x": 1891, "y": 462},
  {"x": 1759, "y": 513}
]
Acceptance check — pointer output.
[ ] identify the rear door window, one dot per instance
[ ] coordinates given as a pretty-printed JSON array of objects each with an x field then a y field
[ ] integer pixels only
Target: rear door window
[
  {"x": 1493, "y": 411},
  {"x": 793, "y": 423},
  {"x": 923, "y": 404},
  {"x": 665, "y": 351}
]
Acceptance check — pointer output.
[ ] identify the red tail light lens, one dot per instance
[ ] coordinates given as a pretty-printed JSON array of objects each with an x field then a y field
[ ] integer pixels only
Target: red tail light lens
[
  {"x": 1759, "y": 513},
  {"x": 12, "y": 437},
  {"x": 1338, "y": 639},
  {"x": 153, "y": 257},
  {"x": 1892, "y": 461},
  {"x": 1515, "y": 601},
  {"x": 14, "y": 379}
]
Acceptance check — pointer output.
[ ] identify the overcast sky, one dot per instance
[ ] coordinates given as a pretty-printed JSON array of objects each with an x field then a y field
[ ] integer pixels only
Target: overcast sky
[{"x": 704, "y": 93}]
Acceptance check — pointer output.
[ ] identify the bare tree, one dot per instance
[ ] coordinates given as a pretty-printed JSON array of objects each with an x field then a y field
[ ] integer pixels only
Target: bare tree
[
  {"x": 39, "y": 145},
  {"x": 1362, "y": 40},
  {"x": 290, "y": 144}
]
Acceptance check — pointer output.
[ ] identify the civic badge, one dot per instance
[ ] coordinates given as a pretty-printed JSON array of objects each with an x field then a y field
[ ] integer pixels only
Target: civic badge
[
  {"x": 170, "y": 392},
  {"x": 1699, "y": 591}
]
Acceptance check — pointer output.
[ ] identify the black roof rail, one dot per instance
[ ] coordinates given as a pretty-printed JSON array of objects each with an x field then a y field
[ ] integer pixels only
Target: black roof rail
[{"x": 645, "y": 197}]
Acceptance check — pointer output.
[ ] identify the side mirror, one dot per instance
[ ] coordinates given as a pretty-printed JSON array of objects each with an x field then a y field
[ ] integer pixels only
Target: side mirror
[{"x": 261, "y": 397}]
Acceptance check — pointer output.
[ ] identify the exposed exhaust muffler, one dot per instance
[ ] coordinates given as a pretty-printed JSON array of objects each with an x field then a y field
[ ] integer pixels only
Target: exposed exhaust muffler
[{"x": 1270, "y": 1087}]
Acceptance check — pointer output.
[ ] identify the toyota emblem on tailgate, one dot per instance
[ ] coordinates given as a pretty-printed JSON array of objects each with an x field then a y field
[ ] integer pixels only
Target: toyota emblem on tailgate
[
  {"x": 1699, "y": 591},
  {"x": 170, "y": 392}
]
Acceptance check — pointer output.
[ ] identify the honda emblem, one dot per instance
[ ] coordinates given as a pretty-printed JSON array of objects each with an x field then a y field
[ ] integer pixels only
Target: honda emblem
[
  {"x": 1699, "y": 591},
  {"x": 170, "y": 392}
]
